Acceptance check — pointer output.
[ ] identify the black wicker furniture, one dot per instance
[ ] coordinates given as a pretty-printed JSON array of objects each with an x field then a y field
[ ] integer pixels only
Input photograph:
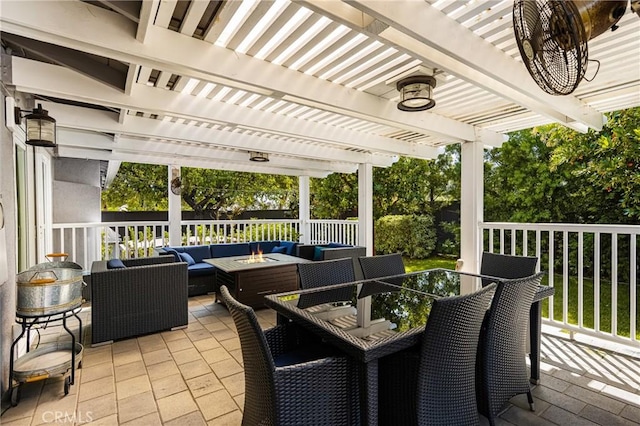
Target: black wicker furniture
[
  {"x": 326, "y": 272},
  {"x": 509, "y": 266},
  {"x": 289, "y": 384},
  {"x": 390, "y": 318},
  {"x": 333, "y": 251},
  {"x": 434, "y": 383},
  {"x": 501, "y": 367},
  {"x": 382, "y": 265},
  {"x": 145, "y": 296}
]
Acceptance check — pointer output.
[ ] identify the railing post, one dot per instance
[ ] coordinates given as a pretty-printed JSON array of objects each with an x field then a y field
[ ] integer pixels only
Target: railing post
[
  {"x": 472, "y": 190},
  {"x": 304, "y": 209},
  {"x": 175, "y": 209},
  {"x": 365, "y": 207}
]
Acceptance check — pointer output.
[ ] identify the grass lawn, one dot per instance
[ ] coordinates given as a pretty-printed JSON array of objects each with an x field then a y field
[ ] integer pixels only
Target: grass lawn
[
  {"x": 413, "y": 265},
  {"x": 623, "y": 311}
]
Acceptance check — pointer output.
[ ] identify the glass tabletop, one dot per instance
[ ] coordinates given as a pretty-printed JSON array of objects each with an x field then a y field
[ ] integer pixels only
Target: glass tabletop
[
  {"x": 367, "y": 309},
  {"x": 440, "y": 282}
]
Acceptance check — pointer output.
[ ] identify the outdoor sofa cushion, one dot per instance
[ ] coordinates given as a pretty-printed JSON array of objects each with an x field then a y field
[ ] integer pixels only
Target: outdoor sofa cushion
[
  {"x": 186, "y": 257},
  {"x": 232, "y": 249},
  {"x": 199, "y": 253},
  {"x": 279, "y": 249},
  {"x": 263, "y": 246},
  {"x": 200, "y": 269},
  {"x": 115, "y": 264}
]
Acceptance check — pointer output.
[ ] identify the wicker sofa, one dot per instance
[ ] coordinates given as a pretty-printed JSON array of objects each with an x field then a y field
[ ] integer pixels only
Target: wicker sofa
[
  {"x": 145, "y": 296},
  {"x": 202, "y": 275}
]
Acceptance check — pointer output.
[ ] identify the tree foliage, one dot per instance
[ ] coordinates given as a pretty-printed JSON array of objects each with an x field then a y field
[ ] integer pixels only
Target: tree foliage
[
  {"x": 409, "y": 186},
  {"x": 554, "y": 174},
  {"x": 546, "y": 174},
  {"x": 212, "y": 194},
  {"x": 137, "y": 187}
]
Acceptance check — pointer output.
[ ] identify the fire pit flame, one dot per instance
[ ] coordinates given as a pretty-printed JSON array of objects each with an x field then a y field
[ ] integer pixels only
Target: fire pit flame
[{"x": 256, "y": 258}]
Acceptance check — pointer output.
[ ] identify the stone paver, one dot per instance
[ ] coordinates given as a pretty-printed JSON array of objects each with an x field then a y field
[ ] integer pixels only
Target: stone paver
[{"x": 194, "y": 376}]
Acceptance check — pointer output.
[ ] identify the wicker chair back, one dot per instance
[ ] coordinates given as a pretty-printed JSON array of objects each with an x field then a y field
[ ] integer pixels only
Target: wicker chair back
[
  {"x": 502, "y": 371},
  {"x": 382, "y": 266},
  {"x": 435, "y": 384},
  {"x": 259, "y": 399},
  {"x": 507, "y": 266}
]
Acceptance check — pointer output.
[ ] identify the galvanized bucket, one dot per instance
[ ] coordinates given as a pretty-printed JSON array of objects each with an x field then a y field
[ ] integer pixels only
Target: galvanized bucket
[{"x": 49, "y": 288}]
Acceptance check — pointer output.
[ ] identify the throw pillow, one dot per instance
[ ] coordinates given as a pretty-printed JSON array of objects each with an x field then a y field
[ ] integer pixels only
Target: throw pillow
[
  {"x": 317, "y": 253},
  {"x": 279, "y": 249},
  {"x": 173, "y": 252},
  {"x": 115, "y": 264},
  {"x": 186, "y": 257},
  {"x": 337, "y": 245}
]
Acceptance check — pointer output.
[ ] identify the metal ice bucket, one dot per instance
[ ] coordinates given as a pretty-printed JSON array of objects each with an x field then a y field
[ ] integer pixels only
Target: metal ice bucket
[{"x": 49, "y": 288}]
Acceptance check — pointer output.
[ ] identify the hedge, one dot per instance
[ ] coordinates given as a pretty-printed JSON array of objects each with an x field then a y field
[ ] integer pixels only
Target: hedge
[{"x": 412, "y": 235}]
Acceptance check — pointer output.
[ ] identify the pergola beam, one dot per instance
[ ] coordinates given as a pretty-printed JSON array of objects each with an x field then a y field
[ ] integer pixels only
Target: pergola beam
[
  {"x": 84, "y": 27},
  {"x": 50, "y": 80},
  {"x": 107, "y": 122},
  {"x": 447, "y": 45},
  {"x": 85, "y": 139}
]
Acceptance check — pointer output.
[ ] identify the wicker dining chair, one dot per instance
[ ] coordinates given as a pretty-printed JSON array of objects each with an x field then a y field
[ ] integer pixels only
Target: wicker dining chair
[
  {"x": 507, "y": 266},
  {"x": 289, "y": 383},
  {"x": 434, "y": 384},
  {"x": 382, "y": 265},
  {"x": 326, "y": 272},
  {"x": 501, "y": 366}
]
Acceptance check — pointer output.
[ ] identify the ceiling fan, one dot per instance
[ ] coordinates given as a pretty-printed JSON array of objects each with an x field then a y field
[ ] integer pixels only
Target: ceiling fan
[{"x": 552, "y": 37}]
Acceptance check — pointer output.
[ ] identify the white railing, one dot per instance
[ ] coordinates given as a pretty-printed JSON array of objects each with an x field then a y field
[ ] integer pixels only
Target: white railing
[
  {"x": 86, "y": 242},
  {"x": 338, "y": 231},
  {"x": 228, "y": 231},
  {"x": 594, "y": 269}
]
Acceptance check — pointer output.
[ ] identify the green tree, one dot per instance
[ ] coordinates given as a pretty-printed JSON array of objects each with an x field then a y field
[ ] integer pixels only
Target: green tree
[
  {"x": 608, "y": 160},
  {"x": 139, "y": 187},
  {"x": 409, "y": 186},
  {"x": 334, "y": 197},
  {"x": 210, "y": 193},
  {"x": 554, "y": 174}
]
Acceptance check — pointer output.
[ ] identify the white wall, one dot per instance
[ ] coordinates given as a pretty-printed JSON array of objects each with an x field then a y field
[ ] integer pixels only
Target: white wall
[
  {"x": 8, "y": 287},
  {"x": 76, "y": 190}
]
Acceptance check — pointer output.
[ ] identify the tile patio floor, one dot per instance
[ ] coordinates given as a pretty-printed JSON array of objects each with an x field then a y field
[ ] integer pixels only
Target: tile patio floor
[{"x": 194, "y": 376}]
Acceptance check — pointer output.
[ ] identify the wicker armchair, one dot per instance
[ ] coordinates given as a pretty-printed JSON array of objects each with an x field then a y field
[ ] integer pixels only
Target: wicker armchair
[
  {"x": 501, "y": 367},
  {"x": 434, "y": 384},
  {"x": 382, "y": 266},
  {"x": 147, "y": 296},
  {"x": 289, "y": 384}
]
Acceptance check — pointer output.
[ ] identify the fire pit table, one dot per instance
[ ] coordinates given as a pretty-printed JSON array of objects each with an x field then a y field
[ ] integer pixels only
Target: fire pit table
[{"x": 251, "y": 277}]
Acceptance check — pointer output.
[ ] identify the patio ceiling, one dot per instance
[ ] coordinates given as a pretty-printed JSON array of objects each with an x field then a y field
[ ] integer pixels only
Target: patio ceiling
[{"x": 311, "y": 83}]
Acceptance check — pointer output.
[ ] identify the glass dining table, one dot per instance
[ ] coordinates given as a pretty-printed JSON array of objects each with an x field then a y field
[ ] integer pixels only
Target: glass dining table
[{"x": 373, "y": 318}]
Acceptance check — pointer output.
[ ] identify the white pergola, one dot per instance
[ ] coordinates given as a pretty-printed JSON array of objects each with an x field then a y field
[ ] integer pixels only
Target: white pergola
[{"x": 312, "y": 83}]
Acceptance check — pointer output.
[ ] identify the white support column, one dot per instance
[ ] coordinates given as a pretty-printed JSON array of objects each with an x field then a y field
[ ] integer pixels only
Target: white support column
[
  {"x": 304, "y": 209},
  {"x": 471, "y": 205},
  {"x": 365, "y": 207},
  {"x": 175, "y": 209}
]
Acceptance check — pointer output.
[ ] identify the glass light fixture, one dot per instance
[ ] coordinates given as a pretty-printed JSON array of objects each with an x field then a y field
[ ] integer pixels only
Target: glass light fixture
[
  {"x": 416, "y": 93},
  {"x": 261, "y": 157},
  {"x": 41, "y": 129}
]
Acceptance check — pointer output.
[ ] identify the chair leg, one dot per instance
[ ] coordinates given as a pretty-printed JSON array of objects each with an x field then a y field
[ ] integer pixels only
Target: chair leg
[{"x": 531, "y": 403}]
